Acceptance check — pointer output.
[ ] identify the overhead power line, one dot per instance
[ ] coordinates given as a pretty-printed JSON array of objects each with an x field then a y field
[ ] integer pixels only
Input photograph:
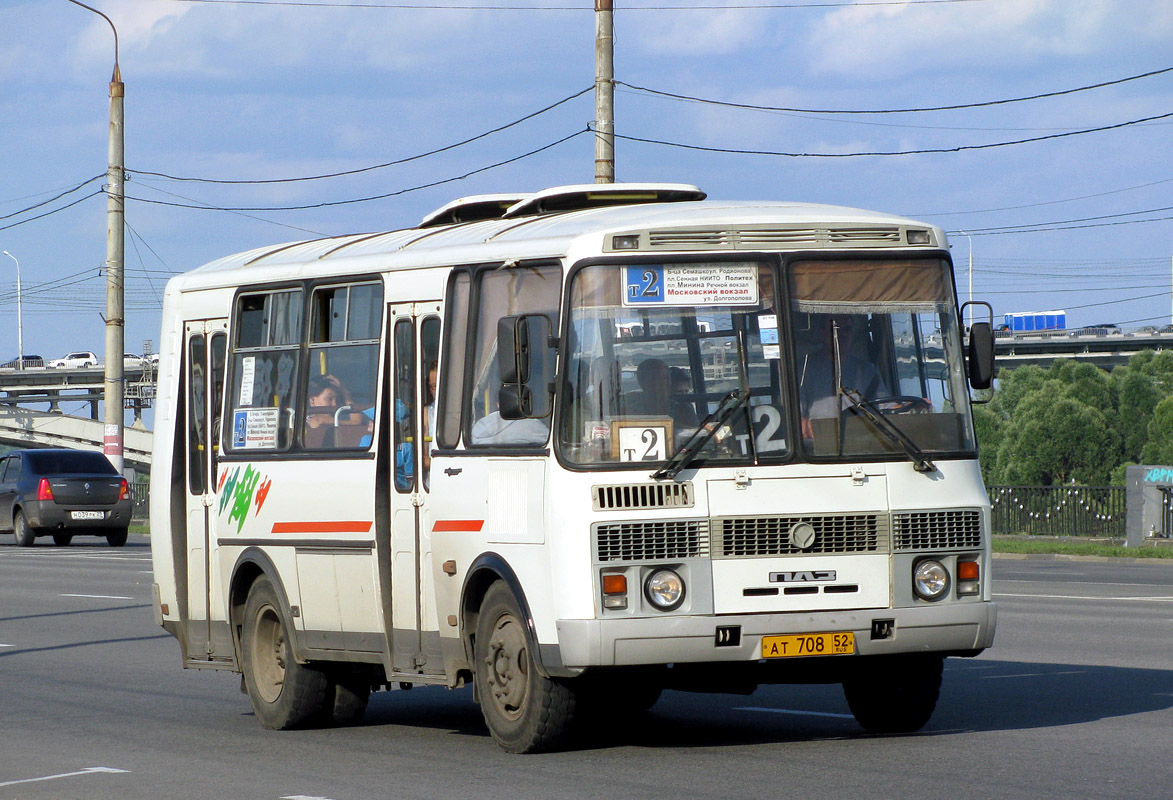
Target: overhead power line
[
  {"x": 51, "y": 199},
  {"x": 469, "y": 174},
  {"x": 359, "y": 170},
  {"x": 983, "y": 104},
  {"x": 924, "y": 151},
  {"x": 54, "y": 211}
]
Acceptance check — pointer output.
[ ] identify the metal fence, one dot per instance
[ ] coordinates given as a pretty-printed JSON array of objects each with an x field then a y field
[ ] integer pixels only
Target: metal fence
[
  {"x": 140, "y": 492},
  {"x": 1041, "y": 510},
  {"x": 1095, "y": 511}
]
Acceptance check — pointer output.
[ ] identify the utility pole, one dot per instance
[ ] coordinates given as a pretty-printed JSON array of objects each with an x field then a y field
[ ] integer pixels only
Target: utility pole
[
  {"x": 115, "y": 282},
  {"x": 115, "y": 246},
  {"x": 604, "y": 92}
]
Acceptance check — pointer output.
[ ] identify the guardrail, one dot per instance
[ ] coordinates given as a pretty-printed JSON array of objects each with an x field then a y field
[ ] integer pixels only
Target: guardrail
[{"x": 1093, "y": 511}]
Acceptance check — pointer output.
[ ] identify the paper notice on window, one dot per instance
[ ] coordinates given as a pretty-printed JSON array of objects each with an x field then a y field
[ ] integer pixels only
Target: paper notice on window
[
  {"x": 705, "y": 285},
  {"x": 248, "y": 369},
  {"x": 255, "y": 428},
  {"x": 768, "y": 328}
]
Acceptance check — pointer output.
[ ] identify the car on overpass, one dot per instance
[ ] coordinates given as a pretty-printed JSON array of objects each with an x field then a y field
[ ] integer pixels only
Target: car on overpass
[
  {"x": 27, "y": 361},
  {"x": 63, "y": 493},
  {"x": 81, "y": 358}
]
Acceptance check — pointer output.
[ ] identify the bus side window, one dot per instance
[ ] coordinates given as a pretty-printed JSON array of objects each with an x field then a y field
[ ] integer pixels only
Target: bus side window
[
  {"x": 346, "y": 321},
  {"x": 455, "y": 349},
  {"x": 430, "y": 354},
  {"x": 264, "y": 361},
  {"x": 404, "y": 423},
  {"x": 506, "y": 292}
]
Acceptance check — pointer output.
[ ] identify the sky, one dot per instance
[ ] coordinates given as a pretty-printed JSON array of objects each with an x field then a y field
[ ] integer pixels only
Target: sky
[{"x": 1072, "y": 218}]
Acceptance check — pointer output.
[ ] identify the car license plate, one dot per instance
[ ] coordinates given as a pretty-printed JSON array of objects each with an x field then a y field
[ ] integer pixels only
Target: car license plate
[
  {"x": 87, "y": 514},
  {"x": 808, "y": 644}
]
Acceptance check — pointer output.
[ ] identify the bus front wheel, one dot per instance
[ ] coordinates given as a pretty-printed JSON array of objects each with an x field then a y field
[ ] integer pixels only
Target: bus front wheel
[
  {"x": 894, "y": 694},
  {"x": 283, "y": 693},
  {"x": 525, "y": 712}
]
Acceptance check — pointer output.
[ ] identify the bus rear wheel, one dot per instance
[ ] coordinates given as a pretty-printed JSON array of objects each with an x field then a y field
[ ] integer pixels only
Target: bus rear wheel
[
  {"x": 283, "y": 693},
  {"x": 894, "y": 694},
  {"x": 525, "y": 712}
]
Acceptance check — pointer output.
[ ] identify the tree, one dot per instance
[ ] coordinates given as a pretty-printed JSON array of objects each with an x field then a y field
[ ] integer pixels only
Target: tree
[
  {"x": 1054, "y": 440},
  {"x": 1159, "y": 448}
]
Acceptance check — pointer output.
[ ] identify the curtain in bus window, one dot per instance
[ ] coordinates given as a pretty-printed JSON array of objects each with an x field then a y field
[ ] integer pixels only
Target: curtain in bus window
[
  {"x": 829, "y": 287},
  {"x": 430, "y": 355}
]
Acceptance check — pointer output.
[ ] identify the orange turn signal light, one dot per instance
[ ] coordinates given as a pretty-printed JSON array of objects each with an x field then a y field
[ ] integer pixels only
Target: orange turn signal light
[
  {"x": 614, "y": 584},
  {"x": 967, "y": 570}
]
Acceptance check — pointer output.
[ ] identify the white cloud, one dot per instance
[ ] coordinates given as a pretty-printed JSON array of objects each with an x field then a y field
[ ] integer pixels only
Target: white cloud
[
  {"x": 690, "y": 33},
  {"x": 887, "y": 41}
]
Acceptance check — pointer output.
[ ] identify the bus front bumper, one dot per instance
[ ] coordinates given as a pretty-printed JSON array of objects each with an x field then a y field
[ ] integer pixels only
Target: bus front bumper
[{"x": 961, "y": 629}]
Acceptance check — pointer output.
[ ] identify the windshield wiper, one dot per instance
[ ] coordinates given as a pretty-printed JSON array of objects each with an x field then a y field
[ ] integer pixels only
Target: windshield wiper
[
  {"x": 890, "y": 430},
  {"x": 703, "y": 433}
]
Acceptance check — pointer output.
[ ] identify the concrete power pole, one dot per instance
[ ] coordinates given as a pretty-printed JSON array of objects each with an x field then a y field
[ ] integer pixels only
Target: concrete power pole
[
  {"x": 115, "y": 247},
  {"x": 604, "y": 92},
  {"x": 115, "y": 284}
]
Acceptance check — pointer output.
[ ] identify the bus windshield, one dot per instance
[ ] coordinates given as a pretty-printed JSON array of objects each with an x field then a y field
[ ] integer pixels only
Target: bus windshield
[
  {"x": 653, "y": 349},
  {"x": 878, "y": 338}
]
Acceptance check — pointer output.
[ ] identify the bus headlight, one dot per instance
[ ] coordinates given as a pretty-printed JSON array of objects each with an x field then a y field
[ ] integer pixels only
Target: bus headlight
[
  {"x": 664, "y": 589},
  {"x": 930, "y": 579}
]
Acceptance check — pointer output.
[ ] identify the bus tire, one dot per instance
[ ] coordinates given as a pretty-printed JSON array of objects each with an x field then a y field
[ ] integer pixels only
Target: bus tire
[
  {"x": 525, "y": 712},
  {"x": 283, "y": 693},
  {"x": 25, "y": 533},
  {"x": 346, "y": 699},
  {"x": 894, "y": 694}
]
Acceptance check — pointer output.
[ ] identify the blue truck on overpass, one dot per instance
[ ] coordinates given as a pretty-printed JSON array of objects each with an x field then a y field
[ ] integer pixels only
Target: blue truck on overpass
[{"x": 1028, "y": 321}]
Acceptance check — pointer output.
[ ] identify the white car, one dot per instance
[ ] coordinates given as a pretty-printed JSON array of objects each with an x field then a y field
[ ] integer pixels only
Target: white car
[{"x": 82, "y": 358}]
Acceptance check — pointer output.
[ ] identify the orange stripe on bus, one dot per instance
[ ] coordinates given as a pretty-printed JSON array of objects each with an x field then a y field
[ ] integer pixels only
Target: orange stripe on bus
[
  {"x": 458, "y": 525},
  {"x": 356, "y": 526}
]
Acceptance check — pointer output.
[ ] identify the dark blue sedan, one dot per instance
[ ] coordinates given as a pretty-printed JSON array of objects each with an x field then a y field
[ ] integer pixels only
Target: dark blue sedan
[{"x": 63, "y": 493}]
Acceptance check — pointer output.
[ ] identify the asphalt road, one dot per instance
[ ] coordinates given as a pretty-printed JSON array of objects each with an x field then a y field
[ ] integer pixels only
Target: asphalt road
[{"x": 1073, "y": 701}]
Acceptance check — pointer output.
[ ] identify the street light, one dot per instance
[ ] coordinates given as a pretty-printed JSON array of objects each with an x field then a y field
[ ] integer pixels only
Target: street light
[
  {"x": 970, "y": 238},
  {"x": 115, "y": 246},
  {"x": 19, "y": 317}
]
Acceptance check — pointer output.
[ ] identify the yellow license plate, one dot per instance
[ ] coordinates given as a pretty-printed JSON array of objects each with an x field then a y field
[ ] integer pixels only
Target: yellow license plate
[{"x": 808, "y": 644}]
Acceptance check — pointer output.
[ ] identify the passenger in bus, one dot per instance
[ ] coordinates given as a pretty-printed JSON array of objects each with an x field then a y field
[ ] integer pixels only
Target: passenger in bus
[
  {"x": 323, "y": 395},
  {"x": 656, "y": 397},
  {"x": 819, "y": 394},
  {"x": 494, "y": 429},
  {"x": 430, "y": 422}
]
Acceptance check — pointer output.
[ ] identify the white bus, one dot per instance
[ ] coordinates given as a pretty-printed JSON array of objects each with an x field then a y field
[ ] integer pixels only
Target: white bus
[{"x": 575, "y": 448}]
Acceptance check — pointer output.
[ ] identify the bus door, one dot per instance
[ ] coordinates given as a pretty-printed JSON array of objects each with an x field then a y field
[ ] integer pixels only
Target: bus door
[
  {"x": 205, "y": 346},
  {"x": 415, "y": 346}
]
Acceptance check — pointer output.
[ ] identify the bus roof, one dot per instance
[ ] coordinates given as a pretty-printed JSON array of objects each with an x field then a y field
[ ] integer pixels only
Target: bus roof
[{"x": 657, "y": 228}]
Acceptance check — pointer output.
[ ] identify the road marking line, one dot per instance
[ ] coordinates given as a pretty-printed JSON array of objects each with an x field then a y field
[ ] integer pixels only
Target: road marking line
[
  {"x": 99, "y": 596},
  {"x": 1087, "y": 597},
  {"x": 7, "y": 645},
  {"x": 64, "y": 775},
  {"x": 795, "y": 711},
  {"x": 302, "y": 797}
]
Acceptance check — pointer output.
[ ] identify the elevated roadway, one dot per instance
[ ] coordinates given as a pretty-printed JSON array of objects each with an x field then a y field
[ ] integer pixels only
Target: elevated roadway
[
  {"x": 30, "y": 414},
  {"x": 1102, "y": 349}
]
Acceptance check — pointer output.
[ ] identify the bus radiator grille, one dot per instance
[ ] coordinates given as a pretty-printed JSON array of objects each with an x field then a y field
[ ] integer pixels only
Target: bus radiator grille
[
  {"x": 752, "y": 537},
  {"x": 626, "y": 496},
  {"x": 652, "y": 540},
  {"x": 938, "y": 530}
]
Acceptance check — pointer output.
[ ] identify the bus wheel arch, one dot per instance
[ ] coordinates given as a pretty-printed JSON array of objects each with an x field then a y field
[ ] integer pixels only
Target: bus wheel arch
[
  {"x": 525, "y": 710},
  {"x": 486, "y": 570}
]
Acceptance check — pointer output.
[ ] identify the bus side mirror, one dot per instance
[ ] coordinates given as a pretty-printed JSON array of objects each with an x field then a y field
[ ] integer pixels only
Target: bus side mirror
[
  {"x": 524, "y": 362},
  {"x": 981, "y": 355}
]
